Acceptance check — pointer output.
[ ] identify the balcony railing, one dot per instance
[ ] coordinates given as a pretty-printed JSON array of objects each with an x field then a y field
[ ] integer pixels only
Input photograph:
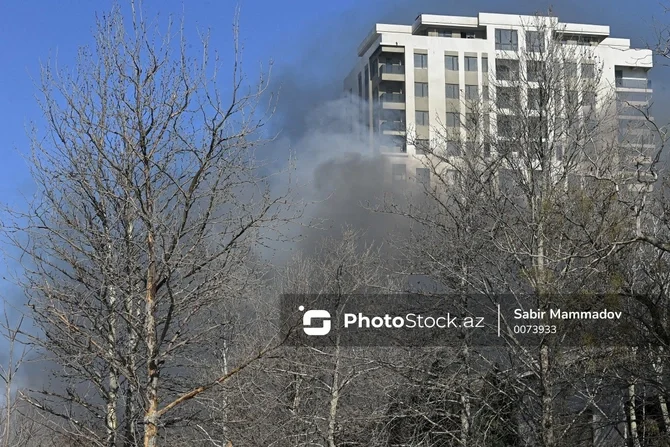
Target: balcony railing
[
  {"x": 625, "y": 109},
  {"x": 398, "y": 148},
  {"x": 392, "y": 69},
  {"x": 507, "y": 46},
  {"x": 392, "y": 97},
  {"x": 394, "y": 126},
  {"x": 633, "y": 96},
  {"x": 633, "y": 83}
]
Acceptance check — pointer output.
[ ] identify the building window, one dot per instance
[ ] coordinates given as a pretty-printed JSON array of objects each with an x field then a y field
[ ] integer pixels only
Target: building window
[
  {"x": 624, "y": 109},
  {"x": 399, "y": 173},
  {"x": 589, "y": 99},
  {"x": 572, "y": 100},
  {"x": 439, "y": 32},
  {"x": 588, "y": 71},
  {"x": 453, "y": 149},
  {"x": 452, "y": 91},
  {"x": 471, "y": 121},
  {"x": 367, "y": 84},
  {"x": 485, "y": 92},
  {"x": 591, "y": 124},
  {"x": 557, "y": 97},
  {"x": 535, "y": 69},
  {"x": 451, "y": 63},
  {"x": 422, "y": 146},
  {"x": 423, "y": 176},
  {"x": 507, "y": 97},
  {"x": 590, "y": 149},
  {"x": 486, "y": 149},
  {"x": 535, "y": 41},
  {"x": 633, "y": 96},
  {"x": 453, "y": 177},
  {"x": 392, "y": 66},
  {"x": 507, "y": 69},
  {"x": 470, "y": 63},
  {"x": 570, "y": 69},
  {"x": 400, "y": 144},
  {"x": 421, "y": 118},
  {"x": 485, "y": 64},
  {"x": 534, "y": 99},
  {"x": 452, "y": 119},
  {"x": 537, "y": 128},
  {"x": 558, "y": 127},
  {"x": 507, "y": 39},
  {"x": 393, "y": 120},
  {"x": 558, "y": 150},
  {"x": 421, "y": 89},
  {"x": 505, "y": 125},
  {"x": 471, "y": 92},
  {"x": 420, "y": 60}
]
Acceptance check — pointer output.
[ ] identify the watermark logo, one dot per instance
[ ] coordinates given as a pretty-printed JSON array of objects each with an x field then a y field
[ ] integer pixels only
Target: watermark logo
[
  {"x": 309, "y": 317},
  {"x": 432, "y": 320}
]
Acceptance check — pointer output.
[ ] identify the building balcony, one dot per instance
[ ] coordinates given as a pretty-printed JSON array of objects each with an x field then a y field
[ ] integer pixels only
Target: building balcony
[
  {"x": 389, "y": 72},
  {"x": 644, "y": 84},
  {"x": 392, "y": 69},
  {"x": 392, "y": 148},
  {"x": 392, "y": 127},
  {"x": 392, "y": 100},
  {"x": 392, "y": 97},
  {"x": 636, "y": 137},
  {"x": 628, "y": 110}
]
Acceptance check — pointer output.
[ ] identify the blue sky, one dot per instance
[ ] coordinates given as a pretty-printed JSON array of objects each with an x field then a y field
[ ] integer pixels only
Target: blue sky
[
  {"x": 312, "y": 43},
  {"x": 309, "y": 41}
]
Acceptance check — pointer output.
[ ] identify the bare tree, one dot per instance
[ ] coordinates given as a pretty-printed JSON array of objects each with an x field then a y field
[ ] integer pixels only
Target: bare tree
[
  {"x": 16, "y": 356},
  {"x": 150, "y": 205},
  {"x": 523, "y": 199},
  {"x": 310, "y": 395}
]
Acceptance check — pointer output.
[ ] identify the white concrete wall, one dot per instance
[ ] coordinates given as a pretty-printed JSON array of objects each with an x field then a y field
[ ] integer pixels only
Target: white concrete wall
[{"x": 610, "y": 53}]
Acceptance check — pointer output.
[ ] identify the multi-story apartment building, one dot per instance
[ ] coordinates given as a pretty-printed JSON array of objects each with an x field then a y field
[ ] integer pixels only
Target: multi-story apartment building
[{"x": 414, "y": 79}]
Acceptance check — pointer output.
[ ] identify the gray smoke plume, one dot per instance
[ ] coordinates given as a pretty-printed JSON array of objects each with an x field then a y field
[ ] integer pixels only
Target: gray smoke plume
[{"x": 312, "y": 113}]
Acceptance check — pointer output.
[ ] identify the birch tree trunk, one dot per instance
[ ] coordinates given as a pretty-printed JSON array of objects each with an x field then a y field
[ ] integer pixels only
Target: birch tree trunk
[{"x": 633, "y": 436}]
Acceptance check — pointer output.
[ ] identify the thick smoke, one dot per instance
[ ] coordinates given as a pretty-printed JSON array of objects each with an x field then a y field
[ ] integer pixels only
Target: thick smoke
[{"x": 335, "y": 167}]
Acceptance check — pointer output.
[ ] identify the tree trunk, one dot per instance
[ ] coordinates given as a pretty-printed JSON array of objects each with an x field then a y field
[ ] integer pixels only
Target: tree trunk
[
  {"x": 465, "y": 416},
  {"x": 633, "y": 439},
  {"x": 547, "y": 399},
  {"x": 546, "y": 389},
  {"x": 334, "y": 397},
  {"x": 464, "y": 399},
  {"x": 662, "y": 402},
  {"x": 8, "y": 409},
  {"x": 130, "y": 435},
  {"x": 111, "y": 418},
  {"x": 132, "y": 312},
  {"x": 151, "y": 416}
]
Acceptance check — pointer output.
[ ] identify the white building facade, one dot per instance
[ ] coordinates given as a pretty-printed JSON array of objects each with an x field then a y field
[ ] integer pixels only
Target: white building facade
[{"x": 413, "y": 79}]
